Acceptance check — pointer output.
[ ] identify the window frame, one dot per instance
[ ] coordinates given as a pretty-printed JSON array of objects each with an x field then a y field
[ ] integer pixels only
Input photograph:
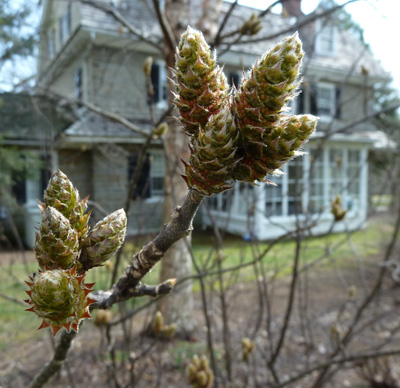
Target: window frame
[
  {"x": 322, "y": 27},
  {"x": 331, "y": 88},
  {"x": 160, "y": 87}
]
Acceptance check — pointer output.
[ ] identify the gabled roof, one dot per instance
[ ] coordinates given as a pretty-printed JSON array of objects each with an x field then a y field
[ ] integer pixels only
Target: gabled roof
[
  {"x": 92, "y": 127},
  {"x": 27, "y": 119},
  {"x": 140, "y": 13}
]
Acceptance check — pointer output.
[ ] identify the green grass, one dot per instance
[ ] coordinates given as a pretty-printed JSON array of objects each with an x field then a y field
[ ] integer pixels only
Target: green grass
[{"x": 16, "y": 325}]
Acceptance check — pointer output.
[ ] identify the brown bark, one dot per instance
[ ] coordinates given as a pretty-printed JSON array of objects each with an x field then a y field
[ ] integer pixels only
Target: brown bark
[{"x": 177, "y": 263}]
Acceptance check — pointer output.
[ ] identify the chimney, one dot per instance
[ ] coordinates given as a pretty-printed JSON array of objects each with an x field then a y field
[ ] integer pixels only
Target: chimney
[{"x": 291, "y": 8}]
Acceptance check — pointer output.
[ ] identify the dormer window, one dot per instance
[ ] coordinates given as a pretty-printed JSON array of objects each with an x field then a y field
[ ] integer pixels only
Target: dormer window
[
  {"x": 325, "y": 43},
  {"x": 325, "y": 100},
  {"x": 159, "y": 81}
]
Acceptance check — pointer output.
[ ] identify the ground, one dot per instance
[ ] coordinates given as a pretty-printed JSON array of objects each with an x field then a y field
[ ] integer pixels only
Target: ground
[{"x": 333, "y": 292}]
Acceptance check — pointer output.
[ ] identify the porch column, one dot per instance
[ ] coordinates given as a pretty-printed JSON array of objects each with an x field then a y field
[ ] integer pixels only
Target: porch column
[
  {"x": 364, "y": 183},
  {"x": 259, "y": 216}
]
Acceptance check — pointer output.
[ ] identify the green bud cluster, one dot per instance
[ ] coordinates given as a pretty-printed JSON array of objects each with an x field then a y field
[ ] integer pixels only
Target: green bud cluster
[
  {"x": 268, "y": 137},
  {"x": 199, "y": 373},
  {"x": 60, "y": 298},
  {"x": 161, "y": 329},
  {"x": 252, "y": 26},
  {"x": 245, "y": 137},
  {"x": 201, "y": 86},
  {"x": 213, "y": 155},
  {"x": 65, "y": 250},
  {"x": 104, "y": 240}
]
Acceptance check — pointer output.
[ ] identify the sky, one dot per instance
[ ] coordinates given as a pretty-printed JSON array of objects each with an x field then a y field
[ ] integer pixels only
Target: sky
[{"x": 380, "y": 20}]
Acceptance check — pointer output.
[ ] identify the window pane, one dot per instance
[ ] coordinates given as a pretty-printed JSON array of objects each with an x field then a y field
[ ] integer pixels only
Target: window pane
[{"x": 317, "y": 182}]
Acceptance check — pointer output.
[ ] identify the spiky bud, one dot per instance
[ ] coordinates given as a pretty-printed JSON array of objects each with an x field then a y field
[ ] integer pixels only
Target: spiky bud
[
  {"x": 251, "y": 26},
  {"x": 103, "y": 240},
  {"x": 199, "y": 373},
  {"x": 63, "y": 196},
  {"x": 201, "y": 86},
  {"x": 213, "y": 155},
  {"x": 277, "y": 146},
  {"x": 337, "y": 210},
  {"x": 56, "y": 244},
  {"x": 268, "y": 138},
  {"x": 60, "y": 298}
]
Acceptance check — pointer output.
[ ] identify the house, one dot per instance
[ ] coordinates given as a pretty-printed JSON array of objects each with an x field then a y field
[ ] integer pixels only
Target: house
[{"x": 88, "y": 54}]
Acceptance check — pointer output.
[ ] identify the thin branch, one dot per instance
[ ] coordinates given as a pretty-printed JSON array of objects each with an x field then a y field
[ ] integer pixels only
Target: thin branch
[
  {"x": 217, "y": 39},
  {"x": 12, "y": 299},
  {"x": 165, "y": 27},
  {"x": 118, "y": 16},
  {"x": 138, "y": 291},
  {"x": 56, "y": 363},
  {"x": 289, "y": 309},
  {"x": 360, "y": 311},
  {"x": 308, "y": 19},
  {"x": 93, "y": 108},
  {"x": 352, "y": 358},
  {"x": 143, "y": 261}
]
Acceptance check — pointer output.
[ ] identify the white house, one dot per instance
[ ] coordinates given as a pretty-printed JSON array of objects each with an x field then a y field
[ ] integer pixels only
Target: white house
[{"x": 86, "y": 53}]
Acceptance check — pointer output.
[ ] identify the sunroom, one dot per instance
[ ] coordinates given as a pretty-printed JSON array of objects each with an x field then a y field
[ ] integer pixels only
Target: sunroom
[{"x": 302, "y": 196}]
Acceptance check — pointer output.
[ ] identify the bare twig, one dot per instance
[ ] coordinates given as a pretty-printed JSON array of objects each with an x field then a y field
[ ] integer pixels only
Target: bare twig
[
  {"x": 118, "y": 16},
  {"x": 56, "y": 363}
]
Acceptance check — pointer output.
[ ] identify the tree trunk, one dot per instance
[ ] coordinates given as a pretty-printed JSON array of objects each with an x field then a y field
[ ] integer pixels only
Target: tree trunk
[{"x": 178, "y": 308}]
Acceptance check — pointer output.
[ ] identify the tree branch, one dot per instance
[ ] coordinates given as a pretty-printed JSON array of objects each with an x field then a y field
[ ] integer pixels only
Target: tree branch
[
  {"x": 93, "y": 108},
  {"x": 140, "y": 290},
  {"x": 117, "y": 15},
  {"x": 352, "y": 358},
  {"x": 165, "y": 27},
  {"x": 308, "y": 19},
  {"x": 217, "y": 39},
  {"x": 56, "y": 363},
  {"x": 143, "y": 261}
]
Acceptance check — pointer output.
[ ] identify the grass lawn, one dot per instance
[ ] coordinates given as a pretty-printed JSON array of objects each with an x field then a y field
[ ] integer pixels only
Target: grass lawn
[{"x": 16, "y": 325}]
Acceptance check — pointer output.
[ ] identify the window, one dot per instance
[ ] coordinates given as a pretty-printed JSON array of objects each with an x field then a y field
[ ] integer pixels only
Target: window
[
  {"x": 316, "y": 198},
  {"x": 64, "y": 25},
  {"x": 325, "y": 38},
  {"x": 325, "y": 101},
  {"x": 159, "y": 81},
  {"x": 273, "y": 198},
  {"x": 352, "y": 202},
  {"x": 150, "y": 182},
  {"x": 51, "y": 41},
  {"x": 336, "y": 173},
  {"x": 157, "y": 173},
  {"x": 78, "y": 84}
]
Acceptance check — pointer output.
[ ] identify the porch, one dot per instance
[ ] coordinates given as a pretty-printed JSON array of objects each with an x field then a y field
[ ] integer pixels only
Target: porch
[{"x": 303, "y": 194}]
